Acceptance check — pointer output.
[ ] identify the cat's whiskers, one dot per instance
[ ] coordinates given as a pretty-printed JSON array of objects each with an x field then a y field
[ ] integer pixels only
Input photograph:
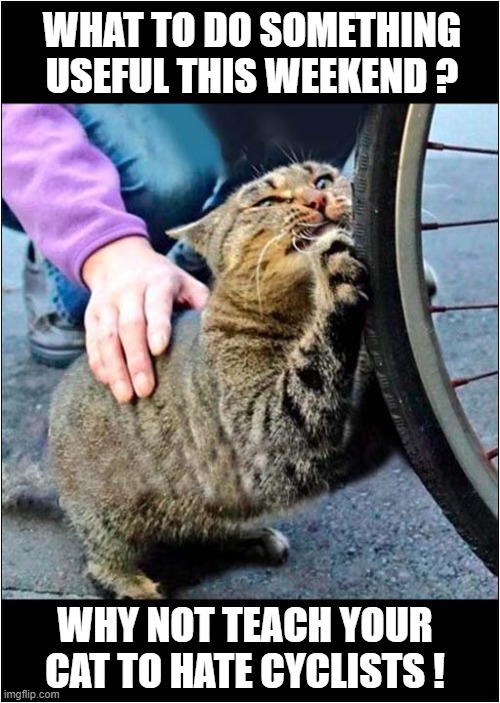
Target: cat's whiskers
[
  {"x": 313, "y": 225},
  {"x": 301, "y": 251},
  {"x": 291, "y": 155},
  {"x": 258, "y": 169},
  {"x": 307, "y": 227},
  {"x": 306, "y": 230}
]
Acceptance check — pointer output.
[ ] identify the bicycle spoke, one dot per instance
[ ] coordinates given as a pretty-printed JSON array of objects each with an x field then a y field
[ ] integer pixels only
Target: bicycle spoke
[
  {"x": 466, "y": 223},
  {"x": 469, "y": 306},
  {"x": 439, "y": 146},
  {"x": 457, "y": 382},
  {"x": 492, "y": 454}
]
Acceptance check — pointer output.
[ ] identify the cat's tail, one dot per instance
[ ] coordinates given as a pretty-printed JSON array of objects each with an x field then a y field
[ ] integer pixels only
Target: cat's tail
[{"x": 30, "y": 488}]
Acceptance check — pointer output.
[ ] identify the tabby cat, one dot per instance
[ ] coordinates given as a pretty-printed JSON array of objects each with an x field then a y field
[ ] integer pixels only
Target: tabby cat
[{"x": 258, "y": 397}]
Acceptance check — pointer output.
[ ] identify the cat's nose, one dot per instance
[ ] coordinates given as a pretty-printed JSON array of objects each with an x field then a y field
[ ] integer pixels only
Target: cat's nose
[{"x": 314, "y": 199}]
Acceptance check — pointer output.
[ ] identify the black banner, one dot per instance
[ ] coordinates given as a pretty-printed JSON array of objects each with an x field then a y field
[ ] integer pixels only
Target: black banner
[
  {"x": 265, "y": 53},
  {"x": 248, "y": 651}
]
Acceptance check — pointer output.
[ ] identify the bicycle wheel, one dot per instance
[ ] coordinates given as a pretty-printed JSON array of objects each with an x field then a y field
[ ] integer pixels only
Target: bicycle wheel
[{"x": 438, "y": 436}]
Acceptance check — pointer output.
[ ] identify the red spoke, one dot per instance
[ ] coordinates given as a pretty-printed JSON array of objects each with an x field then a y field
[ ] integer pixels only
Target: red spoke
[
  {"x": 466, "y": 223},
  {"x": 492, "y": 453},
  {"x": 438, "y": 146},
  {"x": 469, "y": 306},
  {"x": 457, "y": 382}
]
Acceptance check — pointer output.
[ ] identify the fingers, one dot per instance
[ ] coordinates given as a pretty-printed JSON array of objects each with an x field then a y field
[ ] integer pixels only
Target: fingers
[
  {"x": 128, "y": 318},
  {"x": 92, "y": 345},
  {"x": 111, "y": 355},
  {"x": 117, "y": 350},
  {"x": 158, "y": 304},
  {"x": 132, "y": 332},
  {"x": 194, "y": 293}
]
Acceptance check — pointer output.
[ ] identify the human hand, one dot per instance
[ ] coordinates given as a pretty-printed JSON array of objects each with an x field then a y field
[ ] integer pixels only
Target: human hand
[{"x": 133, "y": 290}]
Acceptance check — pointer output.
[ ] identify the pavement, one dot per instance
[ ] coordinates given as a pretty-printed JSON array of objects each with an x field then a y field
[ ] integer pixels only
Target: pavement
[{"x": 380, "y": 537}]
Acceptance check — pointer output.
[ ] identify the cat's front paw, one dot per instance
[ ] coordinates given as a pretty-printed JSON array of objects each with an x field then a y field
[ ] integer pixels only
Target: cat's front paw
[
  {"x": 339, "y": 209},
  {"x": 346, "y": 275}
]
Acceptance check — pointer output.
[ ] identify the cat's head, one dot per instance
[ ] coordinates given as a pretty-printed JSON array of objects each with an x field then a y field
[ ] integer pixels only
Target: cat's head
[{"x": 268, "y": 228}]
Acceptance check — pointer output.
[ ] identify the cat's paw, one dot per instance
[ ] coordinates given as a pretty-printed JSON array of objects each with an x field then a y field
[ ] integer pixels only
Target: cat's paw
[
  {"x": 140, "y": 588},
  {"x": 275, "y": 546},
  {"x": 331, "y": 240},
  {"x": 346, "y": 276},
  {"x": 266, "y": 545},
  {"x": 346, "y": 272},
  {"x": 123, "y": 584},
  {"x": 339, "y": 209}
]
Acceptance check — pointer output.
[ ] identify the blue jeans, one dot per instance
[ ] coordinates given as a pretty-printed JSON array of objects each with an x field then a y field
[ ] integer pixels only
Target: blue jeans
[{"x": 171, "y": 165}]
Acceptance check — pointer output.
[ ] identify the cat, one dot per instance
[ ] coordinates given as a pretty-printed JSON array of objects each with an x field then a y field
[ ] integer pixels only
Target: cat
[{"x": 259, "y": 398}]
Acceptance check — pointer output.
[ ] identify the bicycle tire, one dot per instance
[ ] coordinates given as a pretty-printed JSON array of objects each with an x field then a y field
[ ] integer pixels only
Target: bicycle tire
[{"x": 427, "y": 447}]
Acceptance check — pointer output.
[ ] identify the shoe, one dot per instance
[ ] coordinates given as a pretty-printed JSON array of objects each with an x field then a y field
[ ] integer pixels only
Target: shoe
[{"x": 53, "y": 340}]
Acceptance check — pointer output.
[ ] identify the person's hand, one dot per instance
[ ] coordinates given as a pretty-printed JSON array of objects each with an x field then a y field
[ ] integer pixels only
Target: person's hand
[{"x": 133, "y": 290}]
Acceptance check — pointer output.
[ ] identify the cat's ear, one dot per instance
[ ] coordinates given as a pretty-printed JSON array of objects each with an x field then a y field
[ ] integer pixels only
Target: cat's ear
[{"x": 196, "y": 234}]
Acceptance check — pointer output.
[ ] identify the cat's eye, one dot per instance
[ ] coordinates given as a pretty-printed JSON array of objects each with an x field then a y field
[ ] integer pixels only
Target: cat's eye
[
  {"x": 323, "y": 181},
  {"x": 271, "y": 200}
]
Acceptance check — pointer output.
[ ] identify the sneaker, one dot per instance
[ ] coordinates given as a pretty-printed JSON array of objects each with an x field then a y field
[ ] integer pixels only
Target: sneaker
[{"x": 53, "y": 340}]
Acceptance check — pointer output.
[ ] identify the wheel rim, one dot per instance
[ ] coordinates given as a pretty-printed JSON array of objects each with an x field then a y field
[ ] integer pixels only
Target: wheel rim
[{"x": 425, "y": 345}]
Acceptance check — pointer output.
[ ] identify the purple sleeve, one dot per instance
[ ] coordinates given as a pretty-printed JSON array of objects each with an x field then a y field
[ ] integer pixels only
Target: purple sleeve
[{"x": 63, "y": 190}]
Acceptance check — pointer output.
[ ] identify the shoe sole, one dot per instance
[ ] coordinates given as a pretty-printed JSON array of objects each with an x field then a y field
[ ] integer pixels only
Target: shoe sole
[{"x": 56, "y": 358}]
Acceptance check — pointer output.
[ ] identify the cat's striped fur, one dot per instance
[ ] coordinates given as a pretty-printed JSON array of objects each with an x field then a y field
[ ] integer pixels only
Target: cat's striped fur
[{"x": 255, "y": 397}]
